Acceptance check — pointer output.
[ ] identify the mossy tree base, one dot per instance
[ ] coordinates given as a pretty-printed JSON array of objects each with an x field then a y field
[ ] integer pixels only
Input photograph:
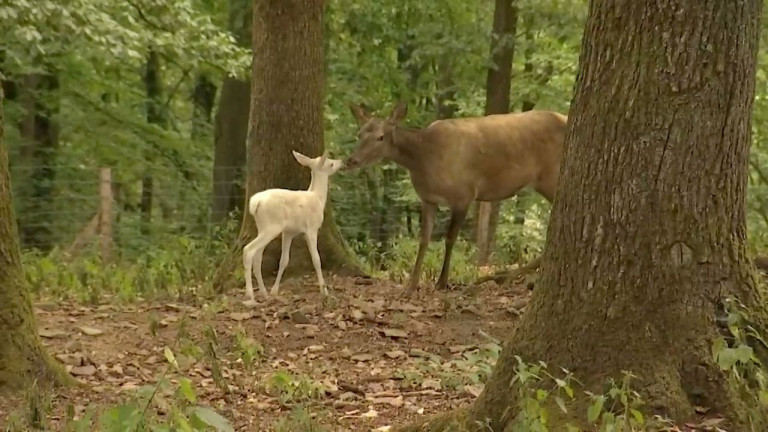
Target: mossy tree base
[
  {"x": 22, "y": 357},
  {"x": 647, "y": 235}
]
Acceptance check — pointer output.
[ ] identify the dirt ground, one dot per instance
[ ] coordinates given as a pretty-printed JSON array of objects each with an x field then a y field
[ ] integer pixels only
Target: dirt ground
[{"x": 365, "y": 360}]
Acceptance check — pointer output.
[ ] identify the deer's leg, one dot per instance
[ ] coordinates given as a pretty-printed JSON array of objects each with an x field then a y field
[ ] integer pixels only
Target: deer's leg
[
  {"x": 285, "y": 256},
  {"x": 427, "y": 222},
  {"x": 312, "y": 246},
  {"x": 252, "y": 254},
  {"x": 457, "y": 219}
]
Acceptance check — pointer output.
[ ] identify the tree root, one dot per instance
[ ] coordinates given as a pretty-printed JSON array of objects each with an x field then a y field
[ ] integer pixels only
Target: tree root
[{"x": 505, "y": 276}]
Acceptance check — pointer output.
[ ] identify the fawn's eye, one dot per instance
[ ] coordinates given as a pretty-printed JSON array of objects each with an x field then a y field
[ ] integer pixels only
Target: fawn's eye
[{"x": 380, "y": 138}]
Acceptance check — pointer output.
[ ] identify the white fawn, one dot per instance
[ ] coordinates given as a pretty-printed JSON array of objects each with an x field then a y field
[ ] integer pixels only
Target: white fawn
[{"x": 289, "y": 212}]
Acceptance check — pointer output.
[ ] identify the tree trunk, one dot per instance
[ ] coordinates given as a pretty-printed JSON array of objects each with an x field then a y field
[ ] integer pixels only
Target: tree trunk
[
  {"x": 231, "y": 126},
  {"x": 497, "y": 87},
  {"x": 632, "y": 277},
  {"x": 203, "y": 98},
  {"x": 155, "y": 115},
  {"x": 22, "y": 357},
  {"x": 287, "y": 114}
]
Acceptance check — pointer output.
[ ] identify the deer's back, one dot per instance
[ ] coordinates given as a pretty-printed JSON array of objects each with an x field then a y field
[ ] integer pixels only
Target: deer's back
[{"x": 498, "y": 154}]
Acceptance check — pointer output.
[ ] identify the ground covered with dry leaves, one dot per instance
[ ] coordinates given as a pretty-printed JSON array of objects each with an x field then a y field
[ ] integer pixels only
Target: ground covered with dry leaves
[{"x": 366, "y": 359}]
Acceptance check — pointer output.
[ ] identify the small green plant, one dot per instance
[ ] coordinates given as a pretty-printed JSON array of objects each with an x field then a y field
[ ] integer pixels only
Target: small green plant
[
  {"x": 248, "y": 350},
  {"x": 288, "y": 388},
  {"x": 735, "y": 354},
  {"x": 532, "y": 415},
  {"x": 301, "y": 420}
]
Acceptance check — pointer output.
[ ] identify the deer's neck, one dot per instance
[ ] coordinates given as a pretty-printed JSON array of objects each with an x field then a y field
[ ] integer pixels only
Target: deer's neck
[
  {"x": 408, "y": 148},
  {"x": 319, "y": 186}
]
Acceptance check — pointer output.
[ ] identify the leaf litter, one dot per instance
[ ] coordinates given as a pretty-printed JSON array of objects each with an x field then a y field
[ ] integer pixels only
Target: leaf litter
[{"x": 369, "y": 362}]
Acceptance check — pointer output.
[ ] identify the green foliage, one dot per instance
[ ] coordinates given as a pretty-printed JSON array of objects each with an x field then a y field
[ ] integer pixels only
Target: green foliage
[
  {"x": 397, "y": 260},
  {"x": 737, "y": 354},
  {"x": 181, "y": 270},
  {"x": 619, "y": 409},
  {"x": 291, "y": 389},
  {"x": 301, "y": 420}
]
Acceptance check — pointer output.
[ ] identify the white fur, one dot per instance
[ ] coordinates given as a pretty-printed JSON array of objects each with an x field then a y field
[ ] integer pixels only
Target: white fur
[{"x": 291, "y": 213}]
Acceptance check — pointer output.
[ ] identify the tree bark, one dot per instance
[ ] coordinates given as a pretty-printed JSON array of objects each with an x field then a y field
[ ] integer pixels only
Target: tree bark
[
  {"x": 231, "y": 126},
  {"x": 155, "y": 115},
  {"x": 497, "y": 87},
  {"x": 22, "y": 357},
  {"x": 648, "y": 231},
  {"x": 203, "y": 98},
  {"x": 287, "y": 114},
  {"x": 664, "y": 118}
]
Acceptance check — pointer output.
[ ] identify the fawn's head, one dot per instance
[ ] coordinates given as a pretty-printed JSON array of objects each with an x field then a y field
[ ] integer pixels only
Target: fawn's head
[
  {"x": 321, "y": 164},
  {"x": 375, "y": 136}
]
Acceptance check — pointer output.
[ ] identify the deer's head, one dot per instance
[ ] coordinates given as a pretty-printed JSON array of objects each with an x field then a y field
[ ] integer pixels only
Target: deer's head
[
  {"x": 374, "y": 138},
  {"x": 320, "y": 164}
]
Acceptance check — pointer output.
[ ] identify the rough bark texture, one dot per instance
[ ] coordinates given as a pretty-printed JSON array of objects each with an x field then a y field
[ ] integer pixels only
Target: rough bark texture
[
  {"x": 203, "y": 98},
  {"x": 647, "y": 234},
  {"x": 497, "y": 87},
  {"x": 231, "y": 125},
  {"x": 287, "y": 114},
  {"x": 22, "y": 358},
  {"x": 155, "y": 115}
]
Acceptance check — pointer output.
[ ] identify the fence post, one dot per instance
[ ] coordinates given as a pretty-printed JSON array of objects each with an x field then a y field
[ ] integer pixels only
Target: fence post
[{"x": 105, "y": 213}]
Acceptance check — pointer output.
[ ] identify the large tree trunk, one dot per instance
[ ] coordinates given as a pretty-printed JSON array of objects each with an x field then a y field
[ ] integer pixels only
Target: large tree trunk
[
  {"x": 639, "y": 268},
  {"x": 22, "y": 357},
  {"x": 497, "y": 87},
  {"x": 287, "y": 114},
  {"x": 155, "y": 115},
  {"x": 647, "y": 233},
  {"x": 231, "y": 125}
]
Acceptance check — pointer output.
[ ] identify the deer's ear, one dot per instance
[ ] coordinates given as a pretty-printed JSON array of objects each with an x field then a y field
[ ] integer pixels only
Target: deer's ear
[
  {"x": 300, "y": 158},
  {"x": 359, "y": 113},
  {"x": 399, "y": 112}
]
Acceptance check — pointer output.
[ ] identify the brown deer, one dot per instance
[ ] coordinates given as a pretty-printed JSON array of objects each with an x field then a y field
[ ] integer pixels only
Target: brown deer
[{"x": 457, "y": 161}]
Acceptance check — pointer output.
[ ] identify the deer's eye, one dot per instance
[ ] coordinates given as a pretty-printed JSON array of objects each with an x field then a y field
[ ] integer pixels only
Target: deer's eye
[{"x": 380, "y": 138}]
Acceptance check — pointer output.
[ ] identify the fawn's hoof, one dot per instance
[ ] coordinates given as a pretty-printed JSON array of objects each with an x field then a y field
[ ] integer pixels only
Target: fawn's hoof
[{"x": 250, "y": 303}]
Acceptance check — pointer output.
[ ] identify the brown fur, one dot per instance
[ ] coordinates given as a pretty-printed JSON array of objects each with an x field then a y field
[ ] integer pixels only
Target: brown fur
[{"x": 456, "y": 161}]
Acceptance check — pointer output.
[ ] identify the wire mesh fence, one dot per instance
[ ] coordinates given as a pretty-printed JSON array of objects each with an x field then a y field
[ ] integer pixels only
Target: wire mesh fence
[{"x": 128, "y": 212}]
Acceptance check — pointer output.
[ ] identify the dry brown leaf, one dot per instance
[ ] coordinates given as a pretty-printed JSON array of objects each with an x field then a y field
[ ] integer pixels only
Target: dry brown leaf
[
  {"x": 90, "y": 331},
  {"x": 52, "y": 334},
  {"x": 362, "y": 357},
  {"x": 395, "y": 354},
  {"x": 83, "y": 370},
  {"x": 394, "y": 333},
  {"x": 474, "y": 390},
  {"x": 240, "y": 316}
]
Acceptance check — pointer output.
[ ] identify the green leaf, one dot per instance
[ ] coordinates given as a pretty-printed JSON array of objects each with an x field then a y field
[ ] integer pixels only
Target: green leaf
[
  {"x": 170, "y": 357},
  {"x": 541, "y": 394},
  {"x": 727, "y": 358},
  {"x": 637, "y": 415},
  {"x": 593, "y": 412},
  {"x": 561, "y": 404},
  {"x": 212, "y": 418},
  {"x": 186, "y": 390},
  {"x": 744, "y": 353}
]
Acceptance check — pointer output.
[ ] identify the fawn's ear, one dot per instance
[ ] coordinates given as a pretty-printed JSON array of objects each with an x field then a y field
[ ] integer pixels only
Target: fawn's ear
[
  {"x": 300, "y": 158},
  {"x": 399, "y": 112},
  {"x": 359, "y": 113}
]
